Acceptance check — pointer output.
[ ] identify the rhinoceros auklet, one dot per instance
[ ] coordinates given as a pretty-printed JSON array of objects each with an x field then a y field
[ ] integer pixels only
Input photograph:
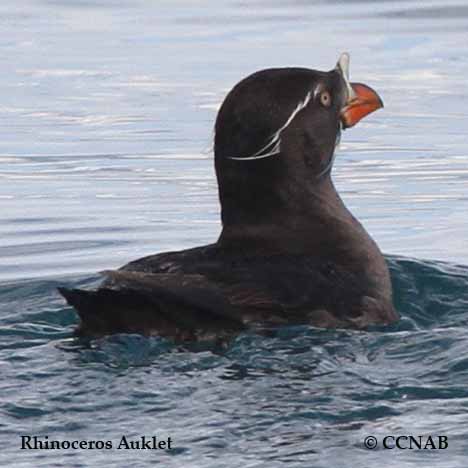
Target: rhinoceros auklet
[{"x": 289, "y": 252}]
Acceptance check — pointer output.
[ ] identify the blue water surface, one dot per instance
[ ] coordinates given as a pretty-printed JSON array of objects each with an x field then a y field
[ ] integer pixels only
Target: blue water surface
[{"x": 106, "y": 125}]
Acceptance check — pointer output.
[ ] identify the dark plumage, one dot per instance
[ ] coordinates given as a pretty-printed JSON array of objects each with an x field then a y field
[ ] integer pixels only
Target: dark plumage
[{"x": 289, "y": 250}]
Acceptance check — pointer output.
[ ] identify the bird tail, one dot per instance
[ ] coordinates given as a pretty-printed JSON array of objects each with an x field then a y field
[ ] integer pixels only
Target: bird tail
[{"x": 107, "y": 311}]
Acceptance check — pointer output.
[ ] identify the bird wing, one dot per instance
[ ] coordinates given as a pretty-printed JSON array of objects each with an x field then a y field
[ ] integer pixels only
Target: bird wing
[{"x": 169, "y": 304}]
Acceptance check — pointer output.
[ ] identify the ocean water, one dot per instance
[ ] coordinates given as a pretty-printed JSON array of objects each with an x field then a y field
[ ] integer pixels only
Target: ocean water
[{"x": 106, "y": 125}]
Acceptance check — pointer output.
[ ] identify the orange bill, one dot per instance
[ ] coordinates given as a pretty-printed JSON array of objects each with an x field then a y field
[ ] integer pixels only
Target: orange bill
[{"x": 364, "y": 101}]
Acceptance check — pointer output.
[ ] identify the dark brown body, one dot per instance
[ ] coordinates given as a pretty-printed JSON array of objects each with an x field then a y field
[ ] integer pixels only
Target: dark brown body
[
  {"x": 289, "y": 251},
  {"x": 330, "y": 274}
]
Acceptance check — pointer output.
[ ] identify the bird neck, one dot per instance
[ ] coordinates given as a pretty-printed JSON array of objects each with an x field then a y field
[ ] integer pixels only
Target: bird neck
[{"x": 294, "y": 218}]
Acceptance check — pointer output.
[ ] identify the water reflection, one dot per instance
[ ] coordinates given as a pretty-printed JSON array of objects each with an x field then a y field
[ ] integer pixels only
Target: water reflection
[{"x": 106, "y": 122}]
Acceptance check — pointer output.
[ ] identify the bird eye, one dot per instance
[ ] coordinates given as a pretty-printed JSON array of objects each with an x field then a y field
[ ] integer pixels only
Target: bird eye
[{"x": 325, "y": 99}]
